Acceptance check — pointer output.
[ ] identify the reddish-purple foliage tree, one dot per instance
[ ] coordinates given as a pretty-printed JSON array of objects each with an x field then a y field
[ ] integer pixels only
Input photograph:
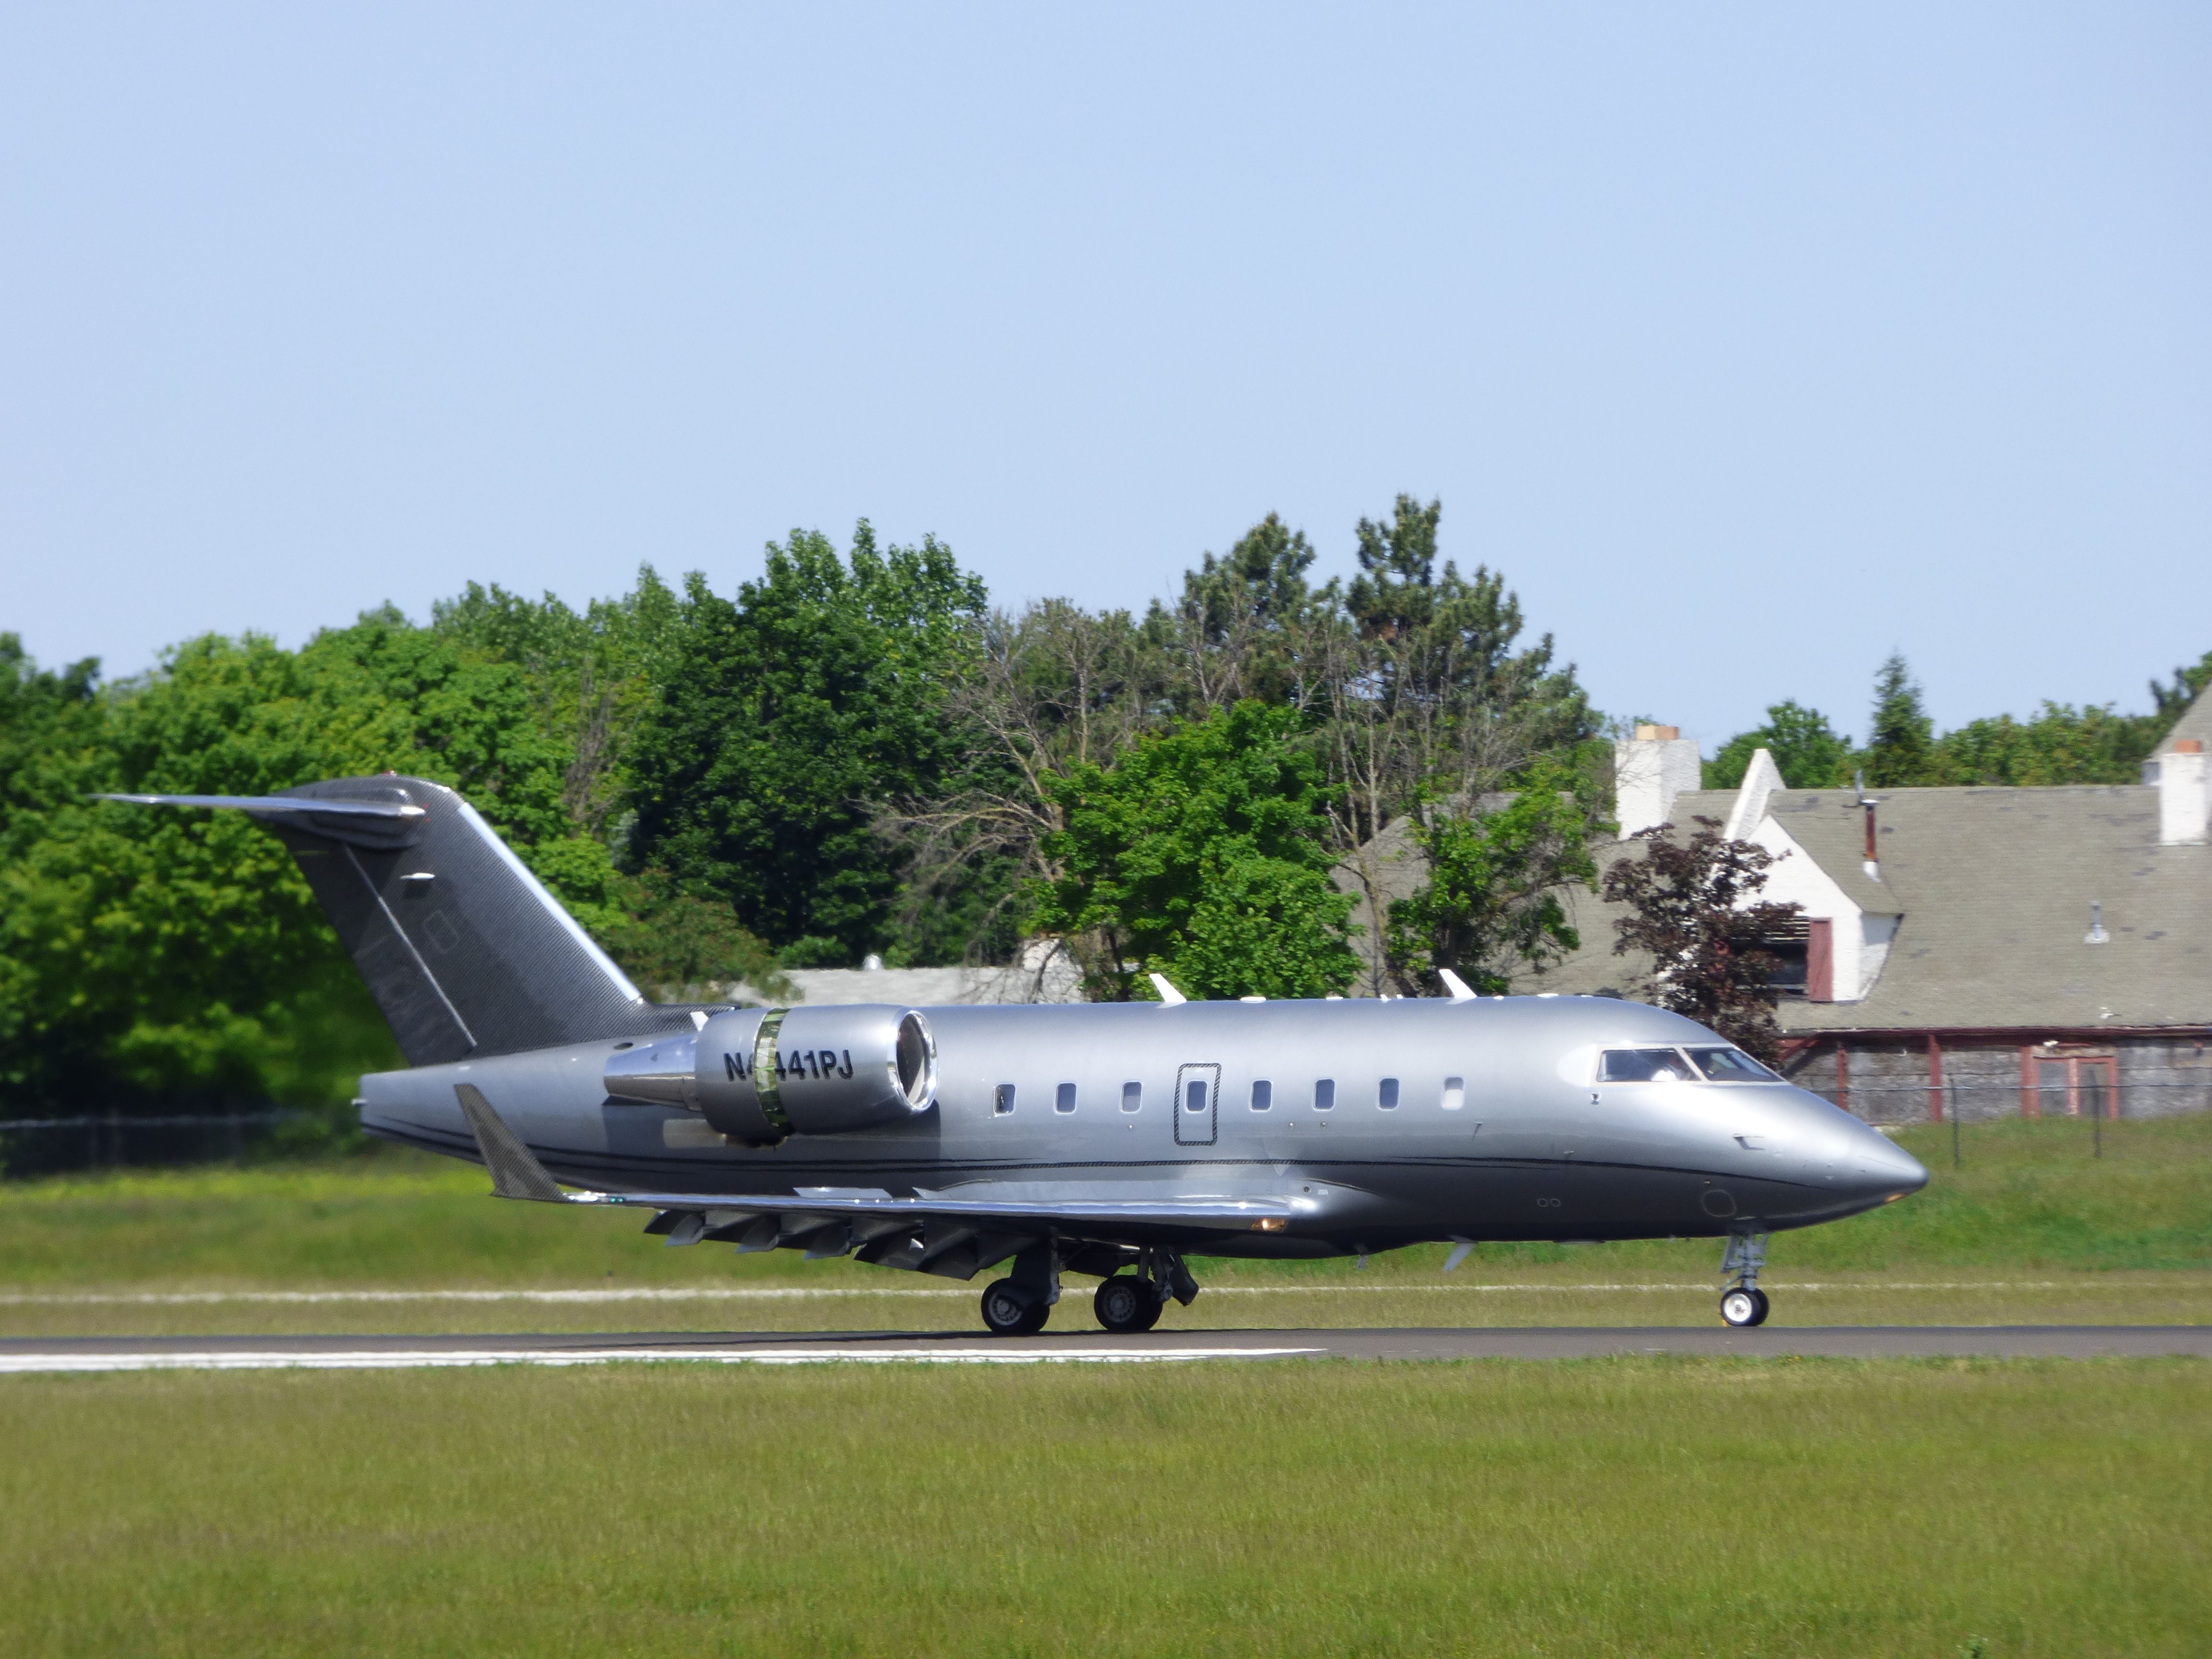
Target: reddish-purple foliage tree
[{"x": 1691, "y": 905}]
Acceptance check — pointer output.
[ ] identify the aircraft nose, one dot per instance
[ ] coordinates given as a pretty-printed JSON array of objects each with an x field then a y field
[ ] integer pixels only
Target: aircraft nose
[{"x": 1887, "y": 1170}]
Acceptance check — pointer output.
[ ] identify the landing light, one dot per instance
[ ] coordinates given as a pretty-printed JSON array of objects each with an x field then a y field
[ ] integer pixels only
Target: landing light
[{"x": 1275, "y": 1224}]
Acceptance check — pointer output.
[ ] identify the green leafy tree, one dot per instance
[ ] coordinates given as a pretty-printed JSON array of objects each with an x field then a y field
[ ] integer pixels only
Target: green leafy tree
[
  {"x": 1491, "y": 906},
  {"x": 791, "y": 720},
  {"x": 1201, "y": 854},
  {"x": 1807, "y": 752},
  {"x": 2060, "y": 746},
  {"x": 2171, "y": 701},
  {"x": 1901, "y": 746},
  {"x": 179, "y": 954}
]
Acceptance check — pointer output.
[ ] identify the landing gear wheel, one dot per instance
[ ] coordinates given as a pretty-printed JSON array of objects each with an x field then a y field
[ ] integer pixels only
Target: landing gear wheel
[
  {"x": 1744, "y": 1308},
  {"x": 1125, "y": 1305},
  {"x": 1007, "y": 1313}
]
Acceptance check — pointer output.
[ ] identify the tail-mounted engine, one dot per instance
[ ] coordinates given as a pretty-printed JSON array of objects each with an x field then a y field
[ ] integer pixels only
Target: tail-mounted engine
[{"x": 759, "y": 1074}]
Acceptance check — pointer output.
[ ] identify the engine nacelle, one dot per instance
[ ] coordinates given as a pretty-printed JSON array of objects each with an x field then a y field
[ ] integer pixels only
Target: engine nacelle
[{"x": 759, "y": 1074}]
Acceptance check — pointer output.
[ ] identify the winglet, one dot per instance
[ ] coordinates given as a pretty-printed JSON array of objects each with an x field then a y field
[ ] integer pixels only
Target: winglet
[
  {"x": 515, "y": 1173},
  {"x": 1168, "y": 994},
  {"x": 1455, "y": 985}
]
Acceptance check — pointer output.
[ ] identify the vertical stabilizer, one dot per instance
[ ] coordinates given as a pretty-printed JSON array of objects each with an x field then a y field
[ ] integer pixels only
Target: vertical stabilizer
[{"x": 464, "y": 952}]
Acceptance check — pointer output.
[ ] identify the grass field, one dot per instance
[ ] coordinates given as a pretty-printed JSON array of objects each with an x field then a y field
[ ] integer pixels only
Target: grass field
[
  {"x": 1609, "y": 1507},
  {"x": 2032, "y": 1229}
]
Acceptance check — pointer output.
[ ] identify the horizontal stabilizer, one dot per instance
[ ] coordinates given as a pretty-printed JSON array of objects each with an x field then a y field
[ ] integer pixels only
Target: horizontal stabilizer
[{"x": 390, "y": 822}]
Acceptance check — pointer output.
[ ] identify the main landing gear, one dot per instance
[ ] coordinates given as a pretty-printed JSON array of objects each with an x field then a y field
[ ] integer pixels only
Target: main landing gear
[
  {"x": 1127, "y": 1304},
  {"x": 1743, "y": 1305},
  {"x": 1007, "y": 1312}
]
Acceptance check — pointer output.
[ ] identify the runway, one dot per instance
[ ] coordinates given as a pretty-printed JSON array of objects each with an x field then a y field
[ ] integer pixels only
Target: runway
[{"x": 96, "y": 1354}]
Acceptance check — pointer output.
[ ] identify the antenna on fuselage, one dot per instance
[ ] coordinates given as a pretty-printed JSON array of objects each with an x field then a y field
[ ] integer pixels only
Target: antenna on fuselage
[
  {"x": 1168, "y": 994},
  {"x": 1455, "y": 985}
]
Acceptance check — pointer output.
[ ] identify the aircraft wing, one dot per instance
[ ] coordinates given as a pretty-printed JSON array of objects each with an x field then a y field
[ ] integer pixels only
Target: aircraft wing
[{"x": 916, "y": 1231}]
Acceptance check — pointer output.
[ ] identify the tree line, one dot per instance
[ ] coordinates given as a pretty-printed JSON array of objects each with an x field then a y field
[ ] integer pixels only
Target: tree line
[
  {"x": 855, "y": 752},
  {"x": 2059, "y": 744}
]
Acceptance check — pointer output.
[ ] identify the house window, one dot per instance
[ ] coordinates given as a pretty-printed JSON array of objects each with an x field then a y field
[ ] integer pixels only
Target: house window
[
  {"x": 1388, "y": 1102},
  {"x": 1065, "y": 1100},
  {"x": 1133, "y": 1096},
  {"x": 1791, "y": 947},
  {"x": 1324, "y": 1094},
  {"x": 1454, "y": 1093},
  {"x": 1003, "y": 1101},
  {"x": 1263, "y": 1094},
  {"x": 2055, "y": 1082}
]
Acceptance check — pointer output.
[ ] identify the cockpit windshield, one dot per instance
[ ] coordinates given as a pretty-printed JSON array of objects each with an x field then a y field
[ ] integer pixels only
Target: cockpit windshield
[
  {"x": 1731, "y": 1066},
  {"x": 1674, "y": 1066},
  {"x": 1644, "y": 1066}
]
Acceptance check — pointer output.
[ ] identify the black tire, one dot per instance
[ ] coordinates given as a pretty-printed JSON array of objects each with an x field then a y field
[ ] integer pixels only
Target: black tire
[
  {"x": 1006, "y": 1312},
  {"x": 1125, "y": 1305},
  {"x": 1742, "y": 1308},
  {"x": 1763, "y": 1305}
]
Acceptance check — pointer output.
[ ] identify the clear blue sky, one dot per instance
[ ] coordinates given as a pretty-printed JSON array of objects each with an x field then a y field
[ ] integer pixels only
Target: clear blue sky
[{"x": 1749, "y": 342}]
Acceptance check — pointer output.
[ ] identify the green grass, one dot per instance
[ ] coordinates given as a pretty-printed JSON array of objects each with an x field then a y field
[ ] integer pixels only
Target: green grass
[
  {"x": 2029, "y": 1198},
  {"x": 2032, "y": 1228},
  {"x": 1619, "y": 1507}
]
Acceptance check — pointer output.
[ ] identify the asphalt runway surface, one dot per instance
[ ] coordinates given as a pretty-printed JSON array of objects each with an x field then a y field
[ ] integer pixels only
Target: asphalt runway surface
[{"x": 42, "y": 1354}]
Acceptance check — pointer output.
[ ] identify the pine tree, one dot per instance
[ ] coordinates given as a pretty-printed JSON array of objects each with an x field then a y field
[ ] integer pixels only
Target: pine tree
[{"x": 1899, "y": 752}]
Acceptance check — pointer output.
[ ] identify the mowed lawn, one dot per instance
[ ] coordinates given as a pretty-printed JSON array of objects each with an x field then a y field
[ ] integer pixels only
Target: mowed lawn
[
  {"x": 2032, "y": 1228},
  {"x": 1647, "y": 1507}
]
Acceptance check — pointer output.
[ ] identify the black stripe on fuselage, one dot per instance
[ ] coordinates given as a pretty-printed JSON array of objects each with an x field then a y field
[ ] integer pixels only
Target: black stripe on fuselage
[{"x": 584, "y": 1166}]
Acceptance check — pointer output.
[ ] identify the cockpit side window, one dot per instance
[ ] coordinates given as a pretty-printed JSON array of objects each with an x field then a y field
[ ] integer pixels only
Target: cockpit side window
[
  {"x": 1731, "y": 1066},
  {"x": 1644, "y": 1066}
]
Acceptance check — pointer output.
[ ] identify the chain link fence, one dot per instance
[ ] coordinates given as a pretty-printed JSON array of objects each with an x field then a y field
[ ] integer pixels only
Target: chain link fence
[
  {"x": 2097, "y": 1104},
  {"x": 106, "y": 1140}
]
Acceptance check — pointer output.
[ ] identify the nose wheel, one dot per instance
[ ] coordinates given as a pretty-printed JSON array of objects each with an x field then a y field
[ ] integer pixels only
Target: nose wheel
[
  {"x": 1743, "y": 1305},
  {"x": 1744, "y": 1309}
]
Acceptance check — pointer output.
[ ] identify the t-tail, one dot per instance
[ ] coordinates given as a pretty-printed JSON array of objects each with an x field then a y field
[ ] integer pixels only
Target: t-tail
[{"x": 465, "y": 950}]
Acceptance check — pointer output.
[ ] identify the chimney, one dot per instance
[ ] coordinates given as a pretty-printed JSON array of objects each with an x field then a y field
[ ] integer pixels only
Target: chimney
[
  {"x": 1649, "y": 771},
  {"x": 2183, "y": 803}
]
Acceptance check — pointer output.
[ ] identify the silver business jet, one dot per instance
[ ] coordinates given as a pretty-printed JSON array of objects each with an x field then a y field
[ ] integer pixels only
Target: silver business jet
[{"x": 1114, "y": 1141}]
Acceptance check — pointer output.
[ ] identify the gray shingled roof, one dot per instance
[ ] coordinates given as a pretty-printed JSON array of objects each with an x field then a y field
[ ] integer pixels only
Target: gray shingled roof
[{"x": 1994, "y": 887}]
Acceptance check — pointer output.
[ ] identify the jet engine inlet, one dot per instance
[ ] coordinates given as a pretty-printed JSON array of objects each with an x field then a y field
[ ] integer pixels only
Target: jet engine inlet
[{"x": 761, "y": 1074}]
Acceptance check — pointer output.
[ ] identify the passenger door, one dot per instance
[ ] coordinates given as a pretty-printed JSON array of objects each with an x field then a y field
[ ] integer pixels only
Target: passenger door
[{"x": 1197, "y": 1105}]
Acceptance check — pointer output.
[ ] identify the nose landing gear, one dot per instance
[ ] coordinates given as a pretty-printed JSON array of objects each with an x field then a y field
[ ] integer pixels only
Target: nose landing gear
[{"x": 1743, "y": 1305}]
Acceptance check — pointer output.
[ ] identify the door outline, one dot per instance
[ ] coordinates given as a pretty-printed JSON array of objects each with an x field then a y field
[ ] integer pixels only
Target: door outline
[{"x": 1189, "y": 1130}]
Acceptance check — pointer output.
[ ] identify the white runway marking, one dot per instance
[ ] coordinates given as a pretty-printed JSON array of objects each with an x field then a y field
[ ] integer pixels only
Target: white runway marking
[
  {"x": 414, "y": 1359},
  {"x": 763, "y": 1293}
]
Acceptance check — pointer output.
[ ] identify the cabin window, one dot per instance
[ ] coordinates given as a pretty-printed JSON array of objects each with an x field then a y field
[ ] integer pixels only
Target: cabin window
[
  {"x": 1065, "y": 1100},
  {"x": 1133, "y": 1096},
  {"x": 1731, "y": 1066},
  {"x": 1324, "y": 1094},
  {"x": 1263, "y": 1094},
  {"x": 1643, "y": 1065},
  {"x": 1003, "y": 1101},
  {"x": 1454, "y": 1093},
  {"x": 1388, "y": 1102}
]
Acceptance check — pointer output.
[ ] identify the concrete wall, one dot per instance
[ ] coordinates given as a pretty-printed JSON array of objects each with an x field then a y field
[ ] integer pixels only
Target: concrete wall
[{"x": 2154, "y": 1077}]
